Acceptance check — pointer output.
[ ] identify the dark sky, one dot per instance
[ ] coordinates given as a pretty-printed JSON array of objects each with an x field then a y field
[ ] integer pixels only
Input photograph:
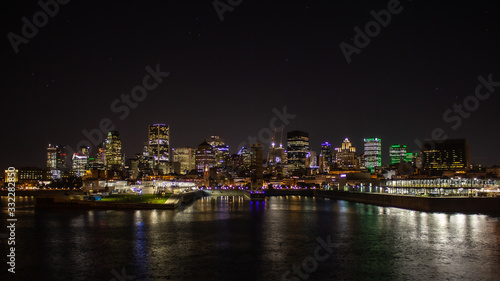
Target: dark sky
[{"x": 226, "y": 77}]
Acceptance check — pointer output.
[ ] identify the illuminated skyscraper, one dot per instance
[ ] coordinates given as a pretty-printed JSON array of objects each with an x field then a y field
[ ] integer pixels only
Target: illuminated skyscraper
[
  {"x": 186, "y": 157},
  {"x": 450, "y": 155},
  {"x": 297, "y": 150},
  {"x": 113, "y": 159},
  {"x": 80, "y": 162},
  {"x": 246, "y": 158},
  {"x": 159, "y": 143},
  {"x": 56, "y": 157},
  {"x": 325, "y": 157},
  {"x": 204, "y": 157},
  {"x": 256, "y": 166},
  {"x": 373, "y": 153},
  {"x": 277, "y": 158},
  {"x": 397, "y": 152},
  {"x": 221, "y": 150},
  {"x": 345, "y": 156}
]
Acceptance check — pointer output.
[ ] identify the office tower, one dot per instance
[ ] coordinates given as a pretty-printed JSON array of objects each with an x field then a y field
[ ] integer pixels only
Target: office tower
[
  {"x": 113, "y": 158},
  {"x": 297, "y": 150},
  {"x": 185, "y": 156},
  {"x": 373, "y": 153},
  {"x": 159, "y": 143},
  {"x": 204, "y": 157},
  {"x": 397, "y": 152},
  {"x": 325, "y": 157},
  {"x": 100, "y": 155},
  {"x": 410, "y": 157},
  {"x": 52, "y": 157},
  {"x": 245, "y": 158},
  {"x": 256, "y": 166},
  {"x": 56, "y": 157},
  {"x": 277, "y": 158},
  {"x": 80, "y": 162},
  {"x": 345, "y": 156},
  {"x": 449, "y": 155},
  {"x": 221, "y": 150}
]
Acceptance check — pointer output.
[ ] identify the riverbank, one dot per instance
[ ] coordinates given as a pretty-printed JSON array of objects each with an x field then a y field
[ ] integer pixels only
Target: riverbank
[
  {"x": 59, "y": 201},
  {"x": 426, "y": 204}
]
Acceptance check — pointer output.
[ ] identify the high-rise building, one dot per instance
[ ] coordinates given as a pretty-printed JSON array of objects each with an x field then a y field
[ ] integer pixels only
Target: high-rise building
[
  {"x": 397, "y": 152},
  {"x": 345, "y": 156},
  {"x": 80, "y": 162},
  {"x": 449, "y": 155},
  {"x": 204, "y": 157},
  {"x": 277, "y": 158},
  {"x": 186, "y": 157},
  {"x": 256, "y": 166},
  {"x": 297, "y": 150},
  {"x": 56, "y": 157},
  {"x": 159, "y": 143},
  {"x": 246, "y": 159},
  {"x": 325, "y": 158},
  {"x": 221, "y": 150},
  {"x": 113, "y": 158},
  {"x": 373, "y": 153}
]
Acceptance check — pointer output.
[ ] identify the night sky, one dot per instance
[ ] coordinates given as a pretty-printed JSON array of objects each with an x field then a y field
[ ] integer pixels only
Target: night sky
[{"x": 227, "y": 76}]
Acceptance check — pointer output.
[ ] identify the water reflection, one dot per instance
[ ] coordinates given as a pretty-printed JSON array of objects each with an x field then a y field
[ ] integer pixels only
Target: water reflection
[{"x": 232, "y": 238}]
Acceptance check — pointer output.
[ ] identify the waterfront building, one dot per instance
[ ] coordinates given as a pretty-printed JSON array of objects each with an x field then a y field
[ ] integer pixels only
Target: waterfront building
[
  {"x": 449, "y": 155},
  {"x": 373, "y": 153},
  {"x": 159, "y": 143},
  {"x": 29, "y": 177},
  {"x": 397, "y": 153},
  {"x": 297, "y": 150},
  {"x": 185, "y": 156}
]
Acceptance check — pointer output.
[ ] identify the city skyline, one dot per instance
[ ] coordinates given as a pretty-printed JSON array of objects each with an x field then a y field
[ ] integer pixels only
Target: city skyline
[
  {"x": 400, "y": 87},
  {"x": 385, "y": 148}
]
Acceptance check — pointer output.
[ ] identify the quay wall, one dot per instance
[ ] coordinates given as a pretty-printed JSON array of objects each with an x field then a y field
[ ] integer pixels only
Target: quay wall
[{"x": 427, "y": 204}]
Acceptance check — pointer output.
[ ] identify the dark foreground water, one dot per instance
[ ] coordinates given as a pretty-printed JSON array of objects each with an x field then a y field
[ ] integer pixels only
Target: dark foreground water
[{"x": 232, "y": 239}]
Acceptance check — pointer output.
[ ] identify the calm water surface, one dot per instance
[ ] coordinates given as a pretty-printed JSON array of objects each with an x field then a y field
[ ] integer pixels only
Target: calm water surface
[{"x": 231, "y": 239}]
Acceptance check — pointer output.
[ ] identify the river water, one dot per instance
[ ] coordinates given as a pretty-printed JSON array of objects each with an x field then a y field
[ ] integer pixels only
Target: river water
[{"x": 229, "y": 238}]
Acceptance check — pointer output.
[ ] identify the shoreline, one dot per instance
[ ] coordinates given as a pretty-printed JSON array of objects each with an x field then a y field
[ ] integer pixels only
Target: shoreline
[{"x": 417, "y": 203}]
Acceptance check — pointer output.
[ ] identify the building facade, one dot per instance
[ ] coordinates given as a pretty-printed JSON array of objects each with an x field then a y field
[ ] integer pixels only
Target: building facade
[
  {"x": 373, "y": 153},
  {"x": 397, "y": 153},
  {"x": 113, "y": 157},
  {"x": 204, "y": 157},
  {"x": 451, "y": 155},
  {"x": 345, "y": 156},
  {"x": 185, "y": 156},
  {"x": 297, "y": 150},
  {"x": 159, "y": 143}
]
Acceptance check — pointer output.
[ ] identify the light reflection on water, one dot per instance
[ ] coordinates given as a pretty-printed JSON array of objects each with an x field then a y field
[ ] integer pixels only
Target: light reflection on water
[{"x": 229, "y": 238}]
